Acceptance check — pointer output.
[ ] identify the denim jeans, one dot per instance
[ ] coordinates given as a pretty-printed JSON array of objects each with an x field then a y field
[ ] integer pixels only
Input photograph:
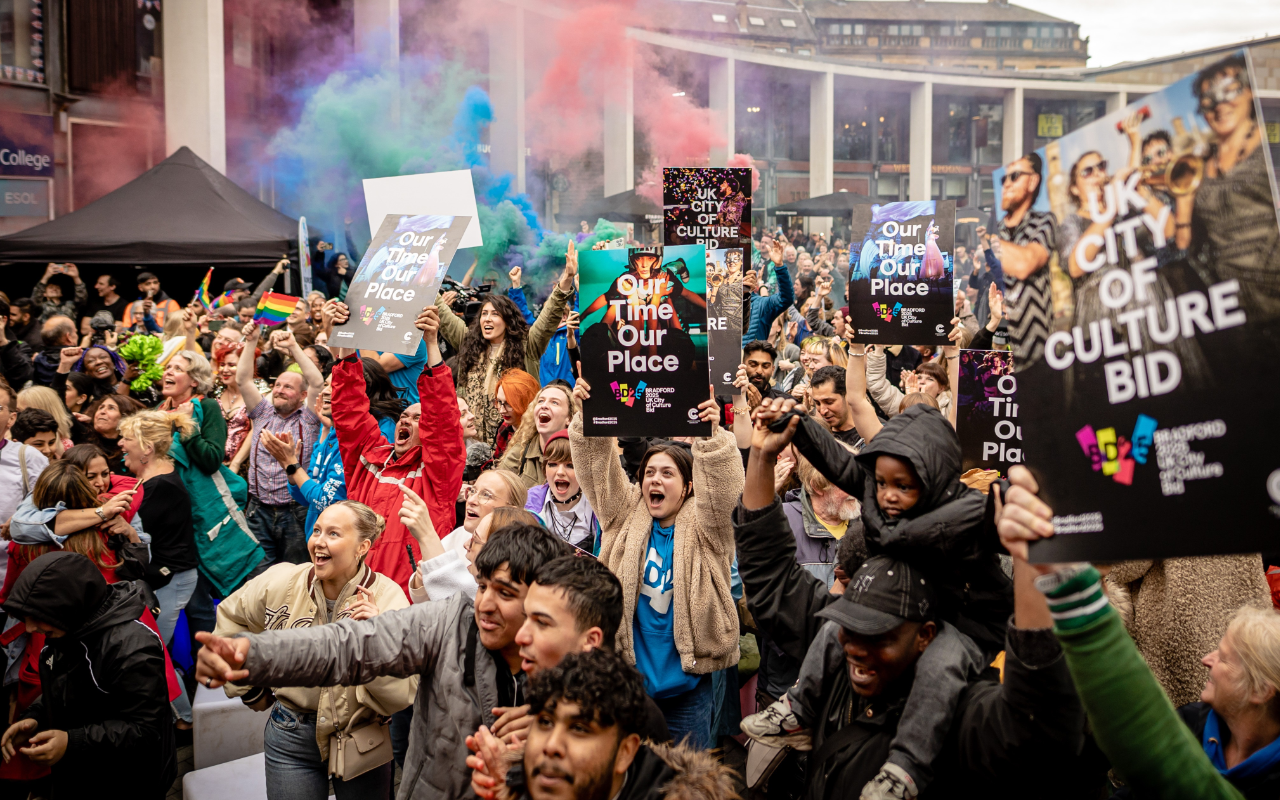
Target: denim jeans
[
  {"x": 202, "y": 615},
  {"x": 280, "y": 531},
  {"x": 401, "y": 723},
  {"x": 690, "y": 714},
  {"x": 173, "y": 598},
  {"x": 294, "y": 768}
]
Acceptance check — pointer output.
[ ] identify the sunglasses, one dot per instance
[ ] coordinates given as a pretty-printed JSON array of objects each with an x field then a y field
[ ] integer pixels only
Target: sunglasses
[
  {"x": 1224, "y": 90},
  {"x": 1094, "y": 169},
  {"x": 1010, "y": 177},
  {"x": 1155, "y": 154}
]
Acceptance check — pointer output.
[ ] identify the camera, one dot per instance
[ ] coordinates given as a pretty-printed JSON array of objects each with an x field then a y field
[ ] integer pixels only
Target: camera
[{"x": 467, "y": 303}]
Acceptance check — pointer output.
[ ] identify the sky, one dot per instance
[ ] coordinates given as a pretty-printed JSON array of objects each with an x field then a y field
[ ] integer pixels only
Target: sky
[{"x": 1135, "y": 30}]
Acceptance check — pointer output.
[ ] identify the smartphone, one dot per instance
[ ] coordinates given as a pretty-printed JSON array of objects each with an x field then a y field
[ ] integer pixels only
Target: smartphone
[{"x": 215, "y": 325}]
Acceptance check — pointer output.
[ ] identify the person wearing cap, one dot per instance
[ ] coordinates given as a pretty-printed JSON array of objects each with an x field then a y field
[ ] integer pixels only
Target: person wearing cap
[
  {"x": 152, "y": 307},
  {"x": 242, "y": 297},
  {"x": 878, "y": 694}
]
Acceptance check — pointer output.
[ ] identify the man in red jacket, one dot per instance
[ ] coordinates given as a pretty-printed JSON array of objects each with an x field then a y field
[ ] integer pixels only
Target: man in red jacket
[{"x": 427, "y": 456}]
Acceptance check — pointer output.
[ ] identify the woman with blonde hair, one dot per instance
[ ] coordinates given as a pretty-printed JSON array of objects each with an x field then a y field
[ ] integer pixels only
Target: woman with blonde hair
[
  {"x": 334, "y": 585},
  {"x": 145, "y": 438},
  {"x": 547, "y": 415}
]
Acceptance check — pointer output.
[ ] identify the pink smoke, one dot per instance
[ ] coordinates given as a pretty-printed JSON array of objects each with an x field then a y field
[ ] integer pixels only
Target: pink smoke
[{"x": 745, "y": 161}]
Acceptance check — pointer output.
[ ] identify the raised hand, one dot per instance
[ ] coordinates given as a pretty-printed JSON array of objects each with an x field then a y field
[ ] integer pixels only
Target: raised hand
[
  {"x": 279, "y": 446},
  {"x": 766, "y": 441},
  {"x": 68, "y": 358},
  {"x": 428, "y": 322},
  {"x": 709, "y": 411},
  {"x": 337, "y": 311},
  {"x": 364, "y": 607},
  {"x": 582, "y": 390},
  {"x": 514, "y": 276}
]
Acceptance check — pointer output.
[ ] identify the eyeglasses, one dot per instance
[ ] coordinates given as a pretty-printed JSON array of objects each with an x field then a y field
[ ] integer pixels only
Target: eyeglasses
[
  {"x": 1223, "y": 90},
  {"x": 486, "y": 496},
  {"x": 1010, "y": 177},
  {"x": 1154, "y": 155},
  {"x": 501, "y": 405},
  {"x": 1100, "y": 168}
]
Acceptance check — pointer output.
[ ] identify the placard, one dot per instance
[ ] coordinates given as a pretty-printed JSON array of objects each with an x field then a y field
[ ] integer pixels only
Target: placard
[
  {"x": 448, "y": 194},
  {"x": 1142, "y": 259},
  {"x": 900, "y": 287},
  {"x": 712, "y": 207},
  {"x": 400, "y": 274},
  {"x": 644, "y": 340},
  {"x": 987, "y": 412},
  {"x": 304, "y": 256}
]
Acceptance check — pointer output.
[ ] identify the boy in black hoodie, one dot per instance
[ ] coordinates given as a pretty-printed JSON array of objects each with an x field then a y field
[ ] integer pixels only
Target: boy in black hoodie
[
  {"x": 914, "y": 508},
  {"x": 102, "y": 721}
]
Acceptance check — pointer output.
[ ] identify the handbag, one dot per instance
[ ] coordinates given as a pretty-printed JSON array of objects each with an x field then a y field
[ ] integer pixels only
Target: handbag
[{"x": 354, "y": 751}]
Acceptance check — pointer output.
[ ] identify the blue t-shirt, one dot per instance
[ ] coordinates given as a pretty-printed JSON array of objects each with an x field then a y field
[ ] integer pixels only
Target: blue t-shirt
[
  {"x": 654, "y": 625},
  {"x": 328, "y": 484},
  {"x": 406, "y": 379}
]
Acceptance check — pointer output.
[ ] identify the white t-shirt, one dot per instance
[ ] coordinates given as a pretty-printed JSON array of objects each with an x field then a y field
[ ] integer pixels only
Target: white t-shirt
[
  {"x": 574, "y": 526},
  {"x": 11, "y": 488}
]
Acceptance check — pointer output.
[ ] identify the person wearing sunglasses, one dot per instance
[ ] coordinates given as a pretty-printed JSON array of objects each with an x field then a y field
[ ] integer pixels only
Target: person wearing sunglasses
[
  {"x": 1027, "y": 237},
  {"x": 1228, "y": 223}
]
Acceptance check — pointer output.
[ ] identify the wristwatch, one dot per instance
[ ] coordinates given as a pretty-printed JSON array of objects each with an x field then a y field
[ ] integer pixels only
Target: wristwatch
[
  {"x": 292, "y": 468},
  {"x": 101, "y": 515}
]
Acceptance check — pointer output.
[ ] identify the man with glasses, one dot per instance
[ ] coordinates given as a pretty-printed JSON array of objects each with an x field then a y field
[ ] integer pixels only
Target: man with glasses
[{"x": 1027, "y": 237}]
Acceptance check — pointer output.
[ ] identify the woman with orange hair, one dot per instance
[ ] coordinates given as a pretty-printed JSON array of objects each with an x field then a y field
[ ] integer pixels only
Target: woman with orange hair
[{"x": 516, "y": 390}]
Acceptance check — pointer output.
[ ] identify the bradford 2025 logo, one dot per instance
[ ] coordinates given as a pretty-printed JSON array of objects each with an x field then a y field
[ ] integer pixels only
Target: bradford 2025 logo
[
  {"x": 884, "y": 312},
  {"x": 367, "y": 314},
  {"x": 1116, "y": 456},
  {"x": 625, "y": 394}
]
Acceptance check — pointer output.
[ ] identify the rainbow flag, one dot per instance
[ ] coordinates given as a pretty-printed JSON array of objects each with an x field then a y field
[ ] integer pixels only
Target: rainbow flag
[
  {"x": 202, "y": 294},
  {"x": 221, "y": 300},
  {"x": 274, "y": 308}
]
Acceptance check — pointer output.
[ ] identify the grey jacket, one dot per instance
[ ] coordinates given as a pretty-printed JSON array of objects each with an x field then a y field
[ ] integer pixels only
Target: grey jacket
[{"x": 433, "y": 640}]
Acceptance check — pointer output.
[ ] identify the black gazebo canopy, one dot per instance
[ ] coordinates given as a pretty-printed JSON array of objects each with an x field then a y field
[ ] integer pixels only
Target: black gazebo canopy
[
  {"x": 181, "y": 211},
  {"x": 837, "y": 204}
]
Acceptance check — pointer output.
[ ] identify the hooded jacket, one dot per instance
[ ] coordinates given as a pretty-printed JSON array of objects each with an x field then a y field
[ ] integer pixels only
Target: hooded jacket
[
  {"x": 103, "y": 682},
  {"x": 945, "y": 533}
]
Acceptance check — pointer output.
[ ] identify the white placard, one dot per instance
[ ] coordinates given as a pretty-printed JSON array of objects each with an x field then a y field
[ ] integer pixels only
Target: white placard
[{"x": 440, "y": 193}]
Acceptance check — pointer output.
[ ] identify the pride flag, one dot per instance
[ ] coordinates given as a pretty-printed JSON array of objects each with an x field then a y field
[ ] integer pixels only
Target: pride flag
[
  {"x": 221, "y": 300},
  {"x": 202, "y": 294},
  {"x": 274, "y": 308}
]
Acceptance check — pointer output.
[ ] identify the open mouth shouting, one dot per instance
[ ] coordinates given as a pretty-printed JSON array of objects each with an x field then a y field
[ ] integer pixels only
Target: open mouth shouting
[
  {"x": 403, "y": 432},
  {"x": 860, "y": 676},
  {"x": 561, "y": 486},
  {"x": 543, "y": 416},
  {"x": 321, "y": 559}
]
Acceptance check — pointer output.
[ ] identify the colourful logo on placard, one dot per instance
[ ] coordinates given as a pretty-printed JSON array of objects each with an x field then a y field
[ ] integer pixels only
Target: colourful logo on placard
[
  {"x": 624, "y": 394},
  {"x": 884, "y": 312},
  {"x": 366, "y": 314},
  {"x": 1116, "y": 456}
]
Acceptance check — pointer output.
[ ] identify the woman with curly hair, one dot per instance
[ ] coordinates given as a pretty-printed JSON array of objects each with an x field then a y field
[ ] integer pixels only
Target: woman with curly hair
[{"x": 498, "y": 340}]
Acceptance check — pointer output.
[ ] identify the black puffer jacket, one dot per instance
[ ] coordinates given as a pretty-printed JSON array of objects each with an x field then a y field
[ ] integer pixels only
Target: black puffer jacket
[
  {"x": 945, "y": 533},
  {"x": 103, "y": 682}
]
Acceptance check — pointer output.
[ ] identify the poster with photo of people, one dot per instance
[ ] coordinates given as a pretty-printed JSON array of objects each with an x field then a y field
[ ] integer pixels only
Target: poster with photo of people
[
  {"x": 644, "y": 340},
  {"x": 400, "y": 273},
  {"x": 712, "y": 207},
  {"x": 900, "y": 272},
  {"x": 988, "y": 419},
  {"x": 1141, "y": 257}
]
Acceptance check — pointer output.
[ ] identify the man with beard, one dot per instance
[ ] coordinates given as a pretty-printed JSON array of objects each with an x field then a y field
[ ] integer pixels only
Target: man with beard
[
  {"x": 274, "y": 518},
  {"x": 1026, "y": 239},
  {"x": 15, "y": 355},
  {"x": 427, "y": 455},
  {"x": 828, "y": 392},
  {"x": 585, "y": 744},
  {"x": 24, "y": 325},
  {"x": 755, "y": 374},
  {"x": 464, "y": 649}
]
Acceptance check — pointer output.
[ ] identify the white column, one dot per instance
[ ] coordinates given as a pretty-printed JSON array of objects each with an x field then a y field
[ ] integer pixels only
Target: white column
[
  {"x": 1013, "y": 125},
  {"x": 194, "y": 87},
  {"x": 620, "y": 134},
  {"x": 822, "y": 130},
  {"x": 920, "y": 180},
  {"x": 1117, "y": 101},
  {"x": 722, "y": 108},
  {"x": 507, "y": 93},
  {"x": 377, "y": 30}
]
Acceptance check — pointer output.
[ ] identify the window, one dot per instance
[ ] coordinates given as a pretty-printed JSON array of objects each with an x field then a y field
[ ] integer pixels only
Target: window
[
  {"x": 945, "y": 30},
  {"x": 917, "y": 30},
  {"x": 992, "y": 32},
  {"x": 893, "y": 30},
  {"x": 1006, "y": 31},
  {"x": 787, "y": 23},
  {"x": 859, "y": 30},
  {"x": 804, "y": 51},
  {"x": 759, "y": 21},
  {"x": 1057, "y": 33},
  {"x": 21, "y": 41},
  {"x": 834, "y": 28},
  {"x": 846, "y": 29},
  {"x": 719, "y": 18}
]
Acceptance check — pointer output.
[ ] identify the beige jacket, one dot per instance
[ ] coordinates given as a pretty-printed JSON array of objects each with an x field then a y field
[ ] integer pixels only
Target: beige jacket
[
  {"x": 526, "y": 461},
  {"x": 287, "y": 596},
  {"x": 706, "y": 617},
  {"x": 1181, "y": 607}
]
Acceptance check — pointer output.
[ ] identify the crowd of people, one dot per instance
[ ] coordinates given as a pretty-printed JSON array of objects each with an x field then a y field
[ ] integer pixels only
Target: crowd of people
[{"x": 421, "y": 563}]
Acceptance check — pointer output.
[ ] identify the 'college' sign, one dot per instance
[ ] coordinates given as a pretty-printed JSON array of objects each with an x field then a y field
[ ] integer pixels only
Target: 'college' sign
[{"x": 26, "y": 145}]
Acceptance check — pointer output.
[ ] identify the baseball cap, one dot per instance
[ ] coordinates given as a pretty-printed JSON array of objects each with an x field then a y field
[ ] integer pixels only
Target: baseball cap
[
  {"x": 882, "y": 594},
  {"x": 235, "y": 285}
]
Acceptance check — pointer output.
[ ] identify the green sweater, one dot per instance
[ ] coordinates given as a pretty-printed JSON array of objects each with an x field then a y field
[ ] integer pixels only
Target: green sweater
[{"x": 1132, "y": 718}]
